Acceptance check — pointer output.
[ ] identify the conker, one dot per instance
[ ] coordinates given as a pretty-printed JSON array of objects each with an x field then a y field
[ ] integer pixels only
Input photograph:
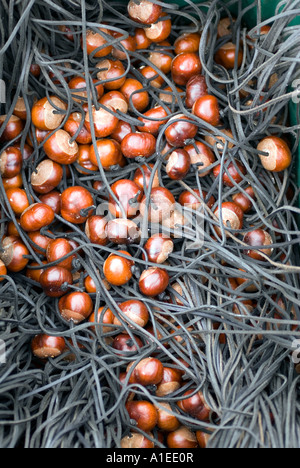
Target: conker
[
  {"x": 11, "y": 162},
  {"x": 182, "y": 438},
  {"x": 207, "y": 109},
  {"x": 76, "y": 306},
  {"x": 47, "y": 176},
  {"x": 117, "y": 269},
  {"x": 279, "y": 156},
  {"x": 159, "y": 247},
  {"x": 60, "y": 149},
  {"x": 55, "y": 281},
  {"x": 123, "y": 231},
  {"x": 136, "y": 311},
  {"x": 138, "y": 144},
  {"x": 45, "y": 116},
  {"x": 95, "y": 229},
  {"x": 45, "y": 346},
  {"x": 153, "y": 281},
  {"x": 75, "y": 201},
  {"x": 144, "y": 413},
  {"x": 184, "y": 67},
  {"x": 258, "y": 238},
  {"x": 14, "y": 254},
  {"x": 36, "y": 216},
  {"x": 144, "y": 11}
]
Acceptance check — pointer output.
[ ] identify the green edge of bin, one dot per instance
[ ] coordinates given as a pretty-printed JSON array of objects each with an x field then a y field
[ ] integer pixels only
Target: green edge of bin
[{"x": 268, "y": 9}]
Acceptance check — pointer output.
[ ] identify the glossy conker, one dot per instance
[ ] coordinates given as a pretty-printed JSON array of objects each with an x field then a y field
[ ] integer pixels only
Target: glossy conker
[
  {"x": 184, "y": 67},
  {"x": 160, "y": 30},
  {"x": 83, "y": 160},
  {"x": 35, "y": 270},
  {"x": 258, "y": 238},
  {"x": 72, "y": 126},
  {"x": 112, "y": 73},
  {"x": 109, "y": 152},
  {"x": 78, "y": 87},
  {"x": 232, "y": 216},
  {"x": 75, "y": 201},
  {"x": 228, "y": 55},
  {"x": 159, "y": 247},
  {"x": 40, "y": 242},
  {"x": 122, "y": 129},
  {"x": 3, "y": 270},
  {"x": 45, "y": 346},
  {"x": 202, "y": 156},
  {"x": 245, "y": 201},
  {"x": 117, "y": 101},
  {"x": 55, "y": 281},
  {"x": 180, "y": 130},
  {"x": 138, "y": 144},
  {"x": 76, "y": 306},
  {"x": 128, "y": 43},
  {"x": 187, "y": 43},
  {"x": 234, "y": 170},
  {"x": 14, "y": 254},
  {"x": 128, "y": 195},
  {"x": 162, "y": 56},
  {"x": 47, "y": 176},
  {"x": 167, "y": 420},
  {"x": 103, "y": 317},
  {"x": 159, "y": 114},
  {"x": 11, "y": 162},
  {"x": 124, "y": 344},
  {"x": 171, "y": 382},
  {"x": 144, "y": 413},
  {"x": 202, "y": 438},
  {"x": 141, "y": 40},
  {"x": 195, "y": 405},
  {"x": 136, "y": 311},
  {"x": 97, "y": 42},
  {"x": 155, "y": 79},
  {"x": 144, "y": 11},
  {"x": 36, "y": 216},
  {"x": 188, "y": 200},
  {"x": 207, "y": 108},
  {"x": 45, "y": 116},
  {"x": 117, "y": 269},
  {"x": 148, "y": 371},
  {"x": 104, "y": 121},
  {"x": 60, "y": 149},
  {"x": 135, "y": 94},
  {"x": 123, "y": 231},
  {"x": 178, "y": 165},
  {"x": 14, "y": 182},
  {"x": 143, "y": 175},
  {"x": 161, "y": 204},
  {"x": 182, "y": 438},
  {"x": 136, "y": 441},
  {"x": 95, "y": 229},
  {"x": 279, "y": 156},
  {"x": 18, "y": 200},
  {"x": 13, "y": 128},
  {"x": 196, "y": 88},
  {"x": 153, "y": 281},
  {"x": 59, "y": 248}
]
